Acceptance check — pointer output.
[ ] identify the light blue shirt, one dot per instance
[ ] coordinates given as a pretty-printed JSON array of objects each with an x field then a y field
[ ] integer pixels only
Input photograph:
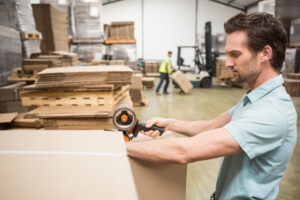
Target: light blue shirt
[{"x": 264, "y": 124}]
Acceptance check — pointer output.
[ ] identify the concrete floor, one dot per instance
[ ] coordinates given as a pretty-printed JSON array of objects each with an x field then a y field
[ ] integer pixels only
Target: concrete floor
[{"x": 203, "y": 103}]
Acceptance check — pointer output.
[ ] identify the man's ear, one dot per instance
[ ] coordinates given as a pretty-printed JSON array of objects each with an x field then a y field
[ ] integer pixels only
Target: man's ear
[{"x": 266, "y": 53}]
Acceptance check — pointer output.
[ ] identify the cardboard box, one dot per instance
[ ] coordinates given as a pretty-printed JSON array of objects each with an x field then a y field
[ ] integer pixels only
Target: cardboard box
[
  {"x": 60, "y": 165},
  {"x": 157, "y": 181},
  {"x": 64, "y": 165},
  {"x": 182, "y": 81}
]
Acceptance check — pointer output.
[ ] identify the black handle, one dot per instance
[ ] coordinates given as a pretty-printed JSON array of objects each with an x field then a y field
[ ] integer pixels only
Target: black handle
[{"x": 153, "y": 128}]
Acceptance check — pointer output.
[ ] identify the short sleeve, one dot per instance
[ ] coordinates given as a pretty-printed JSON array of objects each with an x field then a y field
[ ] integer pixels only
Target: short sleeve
[
  {"x": 258, "y": 131},
  {"x": 231, "y": 110}
]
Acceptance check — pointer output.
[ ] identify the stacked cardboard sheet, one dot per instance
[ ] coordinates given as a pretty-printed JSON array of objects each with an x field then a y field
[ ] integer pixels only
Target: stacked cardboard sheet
[
  {"x": 136, "y": 93},
  {"x": 31, "y": 66},
  {"x": 35, "y": 65},
  {"x": 67, "y": 58},
  {"x": 78, "y": 97},
  {"x": 152, "y": 67},
  {"x": 10, "y": 98},
  {"x": 148, "y": 82},
  {"x": 61, "y": 5},
  {"x": 121, "y": 31},
  {"x": 53, "y": 24},
  {"x": 83, "y": 76}
]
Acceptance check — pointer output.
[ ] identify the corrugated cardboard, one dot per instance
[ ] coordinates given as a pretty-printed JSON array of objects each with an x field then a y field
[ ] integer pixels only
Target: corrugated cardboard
[
  {"x": 60, "y": 165},
  {"x": 157, "y": 181},
  {"x": 182, "y": 81}
]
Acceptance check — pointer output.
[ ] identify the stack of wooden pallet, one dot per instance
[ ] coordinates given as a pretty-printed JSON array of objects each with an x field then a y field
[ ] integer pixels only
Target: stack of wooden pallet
[
  {"x": 78, "y": 97},
  {"x": 136, "y": 94}
]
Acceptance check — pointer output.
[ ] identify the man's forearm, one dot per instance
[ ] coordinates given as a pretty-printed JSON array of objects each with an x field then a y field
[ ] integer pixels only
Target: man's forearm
[
  {"x": 190, "y": 128},
  {"x": 161, "y": 151}
]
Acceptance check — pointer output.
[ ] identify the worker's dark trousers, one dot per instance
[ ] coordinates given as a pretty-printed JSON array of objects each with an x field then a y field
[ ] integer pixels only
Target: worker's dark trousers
[{"x": 163, "y": 76}]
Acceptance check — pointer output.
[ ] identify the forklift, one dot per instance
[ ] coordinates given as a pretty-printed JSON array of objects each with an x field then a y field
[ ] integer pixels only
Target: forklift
[{"x": 205, "y": 70}]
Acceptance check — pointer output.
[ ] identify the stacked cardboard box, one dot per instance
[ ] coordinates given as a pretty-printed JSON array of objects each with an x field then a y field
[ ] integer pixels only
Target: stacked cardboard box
[
  {"x": 152, "y": 67},
  {"x": 67, "y": 58},
  {"x": 17, "y": 14},
  {"x": 31, "y": 66},
  {"x": 54, "y": 26},
  {"x": 136, "y": 93},
  {"x": 108, "y": 62},
  {"x": 223, "y": 72},
  {"x": 121, "y": 31},
  {"x": 10, "y": 52},
  {"x": 10, "y": 98},
  {"x": 78, "y": 97}
]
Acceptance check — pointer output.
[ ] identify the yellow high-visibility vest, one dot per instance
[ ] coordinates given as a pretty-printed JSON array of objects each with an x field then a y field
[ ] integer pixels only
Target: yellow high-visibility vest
[{"x": 166, "y": 63}]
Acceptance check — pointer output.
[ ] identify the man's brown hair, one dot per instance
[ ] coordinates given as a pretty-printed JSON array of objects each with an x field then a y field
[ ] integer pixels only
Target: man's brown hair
[{"x": 262, "y": 29}]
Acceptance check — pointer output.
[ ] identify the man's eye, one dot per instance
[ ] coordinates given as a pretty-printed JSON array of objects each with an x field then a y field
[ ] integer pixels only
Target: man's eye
[{"x": 235, "y": 55}]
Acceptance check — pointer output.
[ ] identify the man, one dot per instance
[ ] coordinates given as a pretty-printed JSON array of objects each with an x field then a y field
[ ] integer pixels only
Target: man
[
  {"x": 257, "y": 136},
  {"x": 164, "y": 70}
]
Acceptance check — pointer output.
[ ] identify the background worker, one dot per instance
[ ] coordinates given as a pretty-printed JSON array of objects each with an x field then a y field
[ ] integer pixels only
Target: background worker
[
  {"x": 257, "y": 136},
  {"x": 164, "y": 70}
]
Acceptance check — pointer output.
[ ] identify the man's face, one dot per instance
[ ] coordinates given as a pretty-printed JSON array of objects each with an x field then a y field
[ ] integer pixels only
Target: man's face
[
  {"x": 170, "y": 55},
  {"x": 242, "y": 62}
]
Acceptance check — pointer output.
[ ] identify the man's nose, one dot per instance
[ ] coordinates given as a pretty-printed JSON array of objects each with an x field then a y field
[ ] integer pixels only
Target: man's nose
[{"x": 228, "y": 63}]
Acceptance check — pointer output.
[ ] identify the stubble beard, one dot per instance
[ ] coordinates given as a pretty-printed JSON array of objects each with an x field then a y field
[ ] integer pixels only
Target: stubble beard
[{"x": 246, "y": 78}]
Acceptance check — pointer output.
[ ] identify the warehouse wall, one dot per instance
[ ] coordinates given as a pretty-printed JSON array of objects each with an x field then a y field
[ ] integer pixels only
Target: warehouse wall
[{"x": 167, "y": 23}]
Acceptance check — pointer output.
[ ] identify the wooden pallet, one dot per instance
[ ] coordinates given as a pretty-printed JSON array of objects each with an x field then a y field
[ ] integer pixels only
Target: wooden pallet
[
  {"x": 62, "y": 104},
  {"x": 31, "y": 36},
  {"x": 132, "y": 41},
  {"x": 18, "y": 76}
]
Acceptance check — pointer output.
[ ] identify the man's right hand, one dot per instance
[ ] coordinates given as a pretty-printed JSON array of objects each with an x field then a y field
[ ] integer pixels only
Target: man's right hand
[{"x": 157, "y": 121}]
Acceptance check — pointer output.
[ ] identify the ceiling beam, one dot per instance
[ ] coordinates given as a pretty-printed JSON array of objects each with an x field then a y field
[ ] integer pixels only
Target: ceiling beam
[
  {"x": 229, "y": 5},
  {"x": 110, "y": 2},
  {"x": 247, "y": 7}
]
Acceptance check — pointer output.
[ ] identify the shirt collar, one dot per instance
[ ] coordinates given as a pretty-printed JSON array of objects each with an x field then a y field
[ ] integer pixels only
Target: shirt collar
[{"x": 264, "y": 89}]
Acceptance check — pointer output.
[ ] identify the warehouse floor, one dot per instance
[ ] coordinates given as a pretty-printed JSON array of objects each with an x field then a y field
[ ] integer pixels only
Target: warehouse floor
[{"x": 203, "y": 103}]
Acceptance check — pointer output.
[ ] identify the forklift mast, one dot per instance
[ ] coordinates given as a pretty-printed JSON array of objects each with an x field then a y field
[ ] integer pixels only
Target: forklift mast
[{"x": 210, "y": 57}]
